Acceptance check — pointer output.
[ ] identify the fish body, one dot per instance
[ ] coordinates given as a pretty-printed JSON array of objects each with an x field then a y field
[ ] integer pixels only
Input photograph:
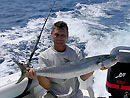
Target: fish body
[
  {"x": 72, "y": 69},
  {"x": 75, "y": 69}
]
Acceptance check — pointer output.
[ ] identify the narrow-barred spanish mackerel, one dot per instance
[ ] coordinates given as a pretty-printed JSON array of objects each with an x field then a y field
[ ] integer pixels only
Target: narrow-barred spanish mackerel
[{"x": 73, "y": 69}]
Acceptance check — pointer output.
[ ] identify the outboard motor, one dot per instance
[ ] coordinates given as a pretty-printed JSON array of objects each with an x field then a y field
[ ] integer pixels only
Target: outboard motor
[{"x": 118, "y": 76}]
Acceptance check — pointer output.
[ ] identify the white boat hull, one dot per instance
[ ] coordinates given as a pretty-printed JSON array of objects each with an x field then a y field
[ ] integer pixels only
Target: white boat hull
[{"x": 9, "y": 88}]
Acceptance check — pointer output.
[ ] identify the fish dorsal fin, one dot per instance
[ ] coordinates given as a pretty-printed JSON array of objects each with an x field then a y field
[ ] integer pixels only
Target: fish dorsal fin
[{"x": 69, "y": 92}]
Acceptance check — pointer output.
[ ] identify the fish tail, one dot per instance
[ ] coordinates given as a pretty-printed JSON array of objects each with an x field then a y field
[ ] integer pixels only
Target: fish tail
[{"x": 23, "y": 71}]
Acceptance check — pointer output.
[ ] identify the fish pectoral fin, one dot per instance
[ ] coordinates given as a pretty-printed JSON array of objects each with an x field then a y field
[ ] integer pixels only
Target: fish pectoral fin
[
  {"x": 66, "y": 60},
  {"x": 100, "y": 63}
]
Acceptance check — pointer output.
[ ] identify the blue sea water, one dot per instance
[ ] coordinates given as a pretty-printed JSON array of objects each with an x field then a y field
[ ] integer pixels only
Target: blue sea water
[
  {"x": 95, "y": 26},
  {"x": 19, "y": 12}
]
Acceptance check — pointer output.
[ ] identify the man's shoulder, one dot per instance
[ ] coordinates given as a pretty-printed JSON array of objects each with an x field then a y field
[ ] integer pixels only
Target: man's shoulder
[
  {"x": 74, "y": 48},
  {"x": 76, "y": 51},
  {"x": 46, "y": 51}
]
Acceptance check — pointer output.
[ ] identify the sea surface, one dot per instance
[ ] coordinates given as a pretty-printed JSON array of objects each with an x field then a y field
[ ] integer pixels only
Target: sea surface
[{"x": 95, "y": 26}]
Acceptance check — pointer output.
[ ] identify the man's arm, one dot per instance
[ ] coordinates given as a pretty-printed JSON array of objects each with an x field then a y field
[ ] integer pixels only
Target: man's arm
[
  {"x": 86, "y": 76},
  {"x": 43, "y": 81}
]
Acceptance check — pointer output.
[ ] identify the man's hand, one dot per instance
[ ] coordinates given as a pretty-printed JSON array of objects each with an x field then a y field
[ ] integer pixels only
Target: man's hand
[
  {"x": 104, "y": 68},
  {"x": 30, "y": 73},
  {"x": 43, "y": 81}
]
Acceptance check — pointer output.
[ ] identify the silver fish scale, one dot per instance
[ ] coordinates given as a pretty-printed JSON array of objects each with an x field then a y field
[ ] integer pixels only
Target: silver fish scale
[{"x": 76, "y": 69}]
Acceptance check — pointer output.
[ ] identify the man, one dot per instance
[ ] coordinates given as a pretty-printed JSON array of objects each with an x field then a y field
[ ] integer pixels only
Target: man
[{"x": 59, "y": 54}]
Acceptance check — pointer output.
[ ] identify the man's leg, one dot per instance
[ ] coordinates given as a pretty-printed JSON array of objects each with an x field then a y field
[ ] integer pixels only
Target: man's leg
[
  {"x": 79, "y": 94},
  {"x": 49, "y": 95},
  {"x": 91, "y": 92}
]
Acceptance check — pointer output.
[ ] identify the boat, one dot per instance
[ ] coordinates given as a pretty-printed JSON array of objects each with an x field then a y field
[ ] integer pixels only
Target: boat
[{"x": 9, "y": 88}]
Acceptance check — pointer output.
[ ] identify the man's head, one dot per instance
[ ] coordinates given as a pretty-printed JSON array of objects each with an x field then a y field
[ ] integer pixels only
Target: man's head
[
  {"x": 59, "y": 33},
  {"x": 60, "y": 25}
]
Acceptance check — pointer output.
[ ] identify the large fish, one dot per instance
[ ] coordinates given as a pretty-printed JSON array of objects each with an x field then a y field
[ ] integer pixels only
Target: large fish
[{"x": 73, "y": 69}]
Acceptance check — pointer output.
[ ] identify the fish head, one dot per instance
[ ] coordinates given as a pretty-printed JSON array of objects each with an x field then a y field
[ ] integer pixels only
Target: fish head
[{"x": 110, "y": 60}]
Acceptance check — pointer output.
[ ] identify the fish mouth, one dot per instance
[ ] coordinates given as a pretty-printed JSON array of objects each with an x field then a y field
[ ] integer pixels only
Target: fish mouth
[{"x": 111, "y": 57}]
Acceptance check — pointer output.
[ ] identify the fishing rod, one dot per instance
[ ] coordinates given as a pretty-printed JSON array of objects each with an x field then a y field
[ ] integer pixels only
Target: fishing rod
[
  {"x": 38, "y": 38},
  {"x": 35, "y": 46},
  {"x": 25, "y": 92}
]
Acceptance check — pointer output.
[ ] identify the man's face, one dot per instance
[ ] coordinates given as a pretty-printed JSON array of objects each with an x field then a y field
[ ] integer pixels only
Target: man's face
[{"x": 59, "y": 36}]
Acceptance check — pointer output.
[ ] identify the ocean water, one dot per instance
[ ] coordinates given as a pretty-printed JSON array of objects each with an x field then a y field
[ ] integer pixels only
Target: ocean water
[{"x": 95, "y": 26}]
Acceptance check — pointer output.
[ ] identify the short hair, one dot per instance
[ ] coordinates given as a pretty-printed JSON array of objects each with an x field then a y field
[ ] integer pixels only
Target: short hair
[{"x": 60, "y": 25}]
